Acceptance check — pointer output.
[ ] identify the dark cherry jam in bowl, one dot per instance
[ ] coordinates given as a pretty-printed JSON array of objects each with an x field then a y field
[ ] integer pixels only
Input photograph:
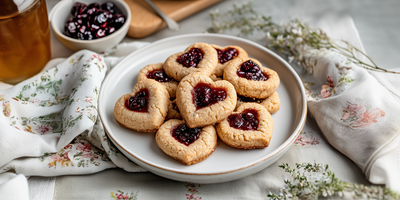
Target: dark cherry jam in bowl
[
  {"x": 205, "y": 95},
  {"x": 139, "y": 102},
  {"x": 93, "y": 21},
  {"x": 191, "y": 58},
  {"x": 185, "y": 135},
  {"x": 246, "y": 120},
  {"x": 159, "y": 76},
  {"x": 226, "y": 54},
  {"x": 251, "y": 71}
]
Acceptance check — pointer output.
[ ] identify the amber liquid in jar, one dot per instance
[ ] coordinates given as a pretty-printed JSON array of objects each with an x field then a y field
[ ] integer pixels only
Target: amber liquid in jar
[{"x": 24, "y": 40}]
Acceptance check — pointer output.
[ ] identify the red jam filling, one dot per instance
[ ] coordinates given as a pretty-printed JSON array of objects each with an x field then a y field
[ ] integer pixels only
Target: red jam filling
[
  {"x": 159, "y": 76},
  {"x": 139, "y": 102},
  {"x": 93, "y": 21},
  {"x": 191, "y": 58},
  {"x": 248, "y": 99},
  {"x": 226, "y": 55},
  {"x": 247, "y": 120},
  {"x": 205, "y": 95},
  {"x": 251, "y": 71},
  {"x": 185, "y": 135}
]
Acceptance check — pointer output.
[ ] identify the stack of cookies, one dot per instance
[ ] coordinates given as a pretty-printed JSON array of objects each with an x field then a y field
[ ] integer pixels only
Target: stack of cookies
[{"x": 201, "y": 94}]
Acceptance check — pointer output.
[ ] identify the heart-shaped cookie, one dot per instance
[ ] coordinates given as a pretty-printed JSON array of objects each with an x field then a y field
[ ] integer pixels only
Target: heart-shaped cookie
[
  {"x": 248, "y": 128},
  {"x": 271, "y": 103},
  {"x": 198, "y": 57},
  {"x": 203, "y": 102},
  {"x": 145, "y": 108},
  {"x": 187, "y": 145},
  {"x": 226, "y": 55},
  {"x": 251, "y": 79},
  {"x": 156, "y": 72}
]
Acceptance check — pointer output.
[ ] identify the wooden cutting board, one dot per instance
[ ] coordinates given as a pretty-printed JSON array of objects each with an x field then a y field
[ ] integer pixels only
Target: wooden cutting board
[{"x": 145, "y": 20}]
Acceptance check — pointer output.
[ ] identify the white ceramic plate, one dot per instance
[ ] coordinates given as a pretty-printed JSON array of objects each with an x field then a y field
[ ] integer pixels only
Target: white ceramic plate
[{"x": 226, "y": 163}]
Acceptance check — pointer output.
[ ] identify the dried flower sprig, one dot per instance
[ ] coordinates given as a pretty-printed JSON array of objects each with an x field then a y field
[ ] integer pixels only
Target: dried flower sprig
[
  {"x": 309, "y": 181},
  {"x": 292, "y": 40}
]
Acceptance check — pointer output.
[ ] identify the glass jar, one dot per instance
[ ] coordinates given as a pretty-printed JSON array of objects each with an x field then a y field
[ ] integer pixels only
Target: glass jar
[{"x": 24, "y": 39}]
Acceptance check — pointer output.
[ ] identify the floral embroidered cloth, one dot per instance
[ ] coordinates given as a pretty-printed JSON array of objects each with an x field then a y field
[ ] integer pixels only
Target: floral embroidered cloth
[
  {"x": 357, "y": 114},
  {"x": 49, "y": 123}
]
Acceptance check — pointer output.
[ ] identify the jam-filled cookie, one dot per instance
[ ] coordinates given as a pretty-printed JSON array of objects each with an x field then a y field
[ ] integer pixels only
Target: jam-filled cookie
[
  {"x": 226, "y": 55},
  {"x": 173, "y": 111},
  {"x": 248, "y": 128},
  {"x": 145, "y": 108},
  {"x": 187, "y": 145},
  {"x": 251, "y": 79},
  {"x": 198, "y": 57},
  {"x": 203, "y": 102},
  {"x": 271, "y": 103},
  {"x": 156, "y": 72}
]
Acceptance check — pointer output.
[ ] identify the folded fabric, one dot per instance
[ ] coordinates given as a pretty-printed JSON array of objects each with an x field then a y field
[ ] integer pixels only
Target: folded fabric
[
  {"x": 50, "y": 122},
  {"x": 13, "y": 186},
  {"x": 368, "y": 130},
  {"x": 357, "y": 114}
]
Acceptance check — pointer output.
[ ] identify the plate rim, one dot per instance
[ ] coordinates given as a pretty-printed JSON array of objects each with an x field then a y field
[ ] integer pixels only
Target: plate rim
[{"x": 283, "y": 146}]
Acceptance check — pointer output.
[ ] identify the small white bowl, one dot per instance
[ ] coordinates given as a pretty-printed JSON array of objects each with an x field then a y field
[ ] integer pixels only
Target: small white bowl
[{"x": 61, "y": 12}]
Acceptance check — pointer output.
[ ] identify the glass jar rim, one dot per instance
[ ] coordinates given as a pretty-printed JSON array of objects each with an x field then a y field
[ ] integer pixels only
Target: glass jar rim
[{"x": 21, "y": 12}]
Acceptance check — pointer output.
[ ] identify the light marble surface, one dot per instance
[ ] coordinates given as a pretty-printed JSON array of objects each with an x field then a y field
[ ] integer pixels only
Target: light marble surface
[{"x": 378, "y": 23}]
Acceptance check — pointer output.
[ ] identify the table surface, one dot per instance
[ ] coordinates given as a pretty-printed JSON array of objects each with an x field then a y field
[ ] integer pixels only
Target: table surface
[{"x": 378, "y": 23}]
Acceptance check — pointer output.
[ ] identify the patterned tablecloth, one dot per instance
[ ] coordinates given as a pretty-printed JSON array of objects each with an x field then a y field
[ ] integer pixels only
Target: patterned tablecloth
[{"x": 378, "y": 28}]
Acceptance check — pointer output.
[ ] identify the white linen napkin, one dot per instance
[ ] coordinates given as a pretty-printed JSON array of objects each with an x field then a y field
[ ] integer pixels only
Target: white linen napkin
[
  {"x": 50, "y": 121},
  {"x": 13, "y": 186},
  {"x": 357, "y": 114},
  {"x": 357, "y": 110}
]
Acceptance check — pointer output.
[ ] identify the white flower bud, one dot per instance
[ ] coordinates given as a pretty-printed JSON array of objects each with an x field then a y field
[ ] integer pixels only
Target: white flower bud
[
  {"x": 298, "y": 40},
  {"x": 299, "y": 31},
  {"x": 288, "y": 29}
]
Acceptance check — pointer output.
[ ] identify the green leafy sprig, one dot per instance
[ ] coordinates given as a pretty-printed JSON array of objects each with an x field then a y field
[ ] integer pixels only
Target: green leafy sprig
[
  {"x": 292, "y": 40},
  {"x": 310, "y": 181}
]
